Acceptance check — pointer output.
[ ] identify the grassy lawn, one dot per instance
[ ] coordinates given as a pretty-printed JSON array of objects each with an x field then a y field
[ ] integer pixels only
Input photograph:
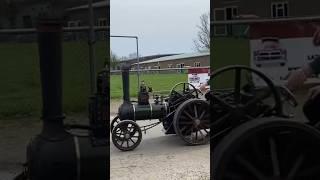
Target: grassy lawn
[
  {"x": 20, "y": 92},
  {"x": 158, "y": 82},
  {"x": 225, "y": 51},
  {"x": 228, "y": 51}
]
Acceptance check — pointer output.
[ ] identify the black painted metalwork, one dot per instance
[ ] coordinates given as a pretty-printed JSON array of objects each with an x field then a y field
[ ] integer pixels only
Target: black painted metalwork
[
  {"x": 163, "y": 109},
  {"x": 57, "y": 153}
]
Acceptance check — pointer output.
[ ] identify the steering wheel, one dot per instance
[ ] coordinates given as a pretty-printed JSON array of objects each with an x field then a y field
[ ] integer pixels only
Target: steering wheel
[
  {"x": 233, "y": 106},
  {"x": 183, "y": 89}
]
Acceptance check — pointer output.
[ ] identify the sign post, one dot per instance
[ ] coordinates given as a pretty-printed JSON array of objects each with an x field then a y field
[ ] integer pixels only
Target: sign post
[
  {"x": 199, "y": 76},
  {"x": 276, "y": 48}
]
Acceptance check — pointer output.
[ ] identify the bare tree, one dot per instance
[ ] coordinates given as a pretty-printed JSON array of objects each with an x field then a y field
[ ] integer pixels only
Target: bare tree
[
  {"x": 114, "y": 60},
  {"x": 202, "y": 43}
]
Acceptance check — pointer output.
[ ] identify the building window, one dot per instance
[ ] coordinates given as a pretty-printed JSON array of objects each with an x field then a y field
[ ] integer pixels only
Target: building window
[
  {"x": 156, "y": 67},
  {"x": 73, "y": 23},
  {"x": 27, "y": 21},
  {"x": 181, "y": 65},
  {"x": 279, "y": 9},
  {"x": 102, "y": 22},
  {"x": 231, "y": 12},
  {"x": 196, "y": 64},
  {"x": 219, "y": 15}
]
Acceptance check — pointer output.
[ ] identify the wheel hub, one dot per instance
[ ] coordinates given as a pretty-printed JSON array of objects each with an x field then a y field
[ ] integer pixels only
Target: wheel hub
[
  {"x": 197, "y": 122},
  {"x": 127, "y": 135}
]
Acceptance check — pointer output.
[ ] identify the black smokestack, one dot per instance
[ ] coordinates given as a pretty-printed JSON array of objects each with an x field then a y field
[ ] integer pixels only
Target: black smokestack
[
  {"x": 125, "y": 81},
  {"x": 50, "y": 57}
]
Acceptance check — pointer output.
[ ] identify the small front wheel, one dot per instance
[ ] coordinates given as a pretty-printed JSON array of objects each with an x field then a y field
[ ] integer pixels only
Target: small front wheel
[
  {"x": 114, "y": 122},
  {"x": 126, "y": 135}
]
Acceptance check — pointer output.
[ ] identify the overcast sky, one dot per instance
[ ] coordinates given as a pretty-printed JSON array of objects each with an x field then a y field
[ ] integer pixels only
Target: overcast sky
[{"x": 163, "y": 26}]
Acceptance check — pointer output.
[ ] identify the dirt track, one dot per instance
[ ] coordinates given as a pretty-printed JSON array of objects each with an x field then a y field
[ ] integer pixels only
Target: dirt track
[
  {"x": 161, "y": 157},
  {"x": 167, "y": 157},
  {"x": 158, "y": 156},
  {"x": 15, "y": 135}
]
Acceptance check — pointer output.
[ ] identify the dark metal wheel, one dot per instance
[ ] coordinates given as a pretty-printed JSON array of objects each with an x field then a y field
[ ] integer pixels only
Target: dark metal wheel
[
  {"x": 183, "y": 90},
  {"x": 192, "y": 121},
  {"x": 239, "y": 100},
  {"x": 268, "y": 150},
  {"x": 126, "y": 135},
  {"x": 114, "y": 122}
]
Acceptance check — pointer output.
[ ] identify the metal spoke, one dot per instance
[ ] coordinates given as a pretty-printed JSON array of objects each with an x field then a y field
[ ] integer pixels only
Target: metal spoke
[
  {"x": 202, "y": 114},
  {"x": 186, "y": 123},
  {"x": 132, "y": 140},
  {"x": 274, "y": 157},
  {"x": 237, "y": 85},
  {"x": 122, "y": 143},
  {"x": 253, "y": 170},
  {"x": 202, "y": 135},
  {"x": 184, "y": 117},
  {"x": 127, "y": 143},
  {"x": 188, "y": 115},
  {"x": 295, "y": 167},
  {"x": 184, "y": 128},
  {"x": 206, "y": 131},
  {"x": 196, "y": 135},
  {"x": 255, "y": 149},
  {"x": 195, "y": 111}
]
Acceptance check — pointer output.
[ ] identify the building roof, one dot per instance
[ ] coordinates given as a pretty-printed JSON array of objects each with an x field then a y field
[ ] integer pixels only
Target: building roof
[
  {"x": 99, "y": 4},
  {"x": 176, "y": 57},
  {"x": 146, "y": 58}
]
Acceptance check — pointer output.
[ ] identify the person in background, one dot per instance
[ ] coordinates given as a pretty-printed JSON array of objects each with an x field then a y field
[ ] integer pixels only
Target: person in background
[{"x": 298, "y": 77}]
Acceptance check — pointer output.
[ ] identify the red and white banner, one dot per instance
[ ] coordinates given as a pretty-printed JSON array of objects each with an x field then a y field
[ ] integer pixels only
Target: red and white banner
[
  {"x": 278, "y": 47},
  {"x": 198, "y": 76}
]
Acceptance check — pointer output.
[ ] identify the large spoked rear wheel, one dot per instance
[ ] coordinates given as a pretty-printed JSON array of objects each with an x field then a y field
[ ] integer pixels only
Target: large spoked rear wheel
[
  {"x": 192, "y": 122},
  {"x": 126, "y": 135},
  {"x": 268, "y": 150}
]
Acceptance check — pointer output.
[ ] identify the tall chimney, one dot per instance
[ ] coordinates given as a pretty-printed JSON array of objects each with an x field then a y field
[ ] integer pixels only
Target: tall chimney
[
  {"x": 50, "y": 57},
  {"x": 125, "y": 81}
]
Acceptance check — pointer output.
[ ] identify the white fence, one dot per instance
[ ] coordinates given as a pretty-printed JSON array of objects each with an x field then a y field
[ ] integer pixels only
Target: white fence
[{"x": 163, "y": 70}]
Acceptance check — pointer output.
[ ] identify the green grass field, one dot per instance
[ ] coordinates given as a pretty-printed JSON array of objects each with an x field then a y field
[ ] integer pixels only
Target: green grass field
[
  {"x": 225, "y": 51},
  {"x": 158, "y": 82},
  {"x": 20, "y": 92},
  {"x": 228, "y": 51}
]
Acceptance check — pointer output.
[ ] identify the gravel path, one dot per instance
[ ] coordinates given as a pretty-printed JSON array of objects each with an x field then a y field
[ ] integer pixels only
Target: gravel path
[{"x": 157, "y": 157}]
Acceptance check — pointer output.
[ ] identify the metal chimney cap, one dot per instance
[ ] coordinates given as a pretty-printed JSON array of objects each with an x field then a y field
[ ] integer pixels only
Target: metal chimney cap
[
  {"x": 125, "y": 67},
  {"x": 49, "y": 24}
]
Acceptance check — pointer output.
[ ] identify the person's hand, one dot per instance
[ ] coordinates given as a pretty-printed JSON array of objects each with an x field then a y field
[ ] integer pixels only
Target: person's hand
[
  {"x": 316, "y": 37},
  {"x": 314, "y": 92},
  {"x": 203, "y": 87},
  {"x": 296, "y": 79}
]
